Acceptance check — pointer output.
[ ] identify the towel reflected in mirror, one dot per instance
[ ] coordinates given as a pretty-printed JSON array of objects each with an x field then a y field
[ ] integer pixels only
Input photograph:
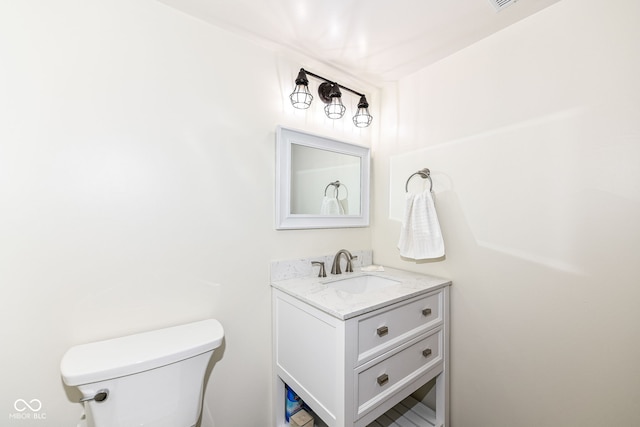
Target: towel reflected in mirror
[{"x": 331, "y": 204}]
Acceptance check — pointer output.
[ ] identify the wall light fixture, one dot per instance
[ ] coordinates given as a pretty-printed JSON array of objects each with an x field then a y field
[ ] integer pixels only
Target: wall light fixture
[{"x": 329, "y": 92}]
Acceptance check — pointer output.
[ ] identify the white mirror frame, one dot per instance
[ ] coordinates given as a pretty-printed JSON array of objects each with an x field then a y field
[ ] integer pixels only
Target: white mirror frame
[{"x": 284, "y": 218}]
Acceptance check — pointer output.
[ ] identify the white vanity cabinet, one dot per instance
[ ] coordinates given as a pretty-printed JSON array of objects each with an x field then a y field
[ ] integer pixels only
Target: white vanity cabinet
[{"x": 352, "y": 358}]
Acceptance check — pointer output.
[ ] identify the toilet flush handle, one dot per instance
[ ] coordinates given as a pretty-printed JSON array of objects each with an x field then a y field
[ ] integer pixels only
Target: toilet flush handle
[{"x": 100, "y": 396}]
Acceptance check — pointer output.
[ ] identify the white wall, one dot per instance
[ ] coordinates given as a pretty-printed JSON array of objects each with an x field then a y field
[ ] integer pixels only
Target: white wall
[
  {"x": 136, "y": 191},
  {"x": 137, "y": 153},
  {"x": 533, "y": 140}
]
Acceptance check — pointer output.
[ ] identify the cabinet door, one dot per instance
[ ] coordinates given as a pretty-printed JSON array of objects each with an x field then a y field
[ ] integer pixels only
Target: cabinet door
[{"x": 309, "y": 355}]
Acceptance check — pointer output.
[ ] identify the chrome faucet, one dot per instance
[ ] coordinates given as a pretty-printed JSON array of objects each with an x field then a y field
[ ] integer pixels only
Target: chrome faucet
[{"x": 335, "y": 268}]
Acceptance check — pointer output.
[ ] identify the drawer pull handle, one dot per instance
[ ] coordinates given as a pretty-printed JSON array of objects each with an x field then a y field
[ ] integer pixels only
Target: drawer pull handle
[
  {"x": 426, "y": 352},
  {"x": 383, "y": 379},
  {"x": 426, "y": 312},
  {"x": 382, "y": 331}
]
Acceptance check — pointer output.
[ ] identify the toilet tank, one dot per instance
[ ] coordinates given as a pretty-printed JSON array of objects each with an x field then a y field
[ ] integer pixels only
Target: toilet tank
[{"x": 153, "y": 378}]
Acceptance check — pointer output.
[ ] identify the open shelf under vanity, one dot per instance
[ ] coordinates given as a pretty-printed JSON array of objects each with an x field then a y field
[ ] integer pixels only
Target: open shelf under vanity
[{"x": 408, "y": 413}]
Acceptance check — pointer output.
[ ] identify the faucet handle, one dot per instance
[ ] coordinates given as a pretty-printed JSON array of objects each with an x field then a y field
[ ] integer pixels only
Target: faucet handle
[
  {"x": 322, "y": 272},
  {"x": 349, "y": 264}
]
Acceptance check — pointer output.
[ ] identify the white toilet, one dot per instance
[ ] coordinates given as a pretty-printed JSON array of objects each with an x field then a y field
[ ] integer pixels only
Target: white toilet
[{"x": 151, "y": 379}]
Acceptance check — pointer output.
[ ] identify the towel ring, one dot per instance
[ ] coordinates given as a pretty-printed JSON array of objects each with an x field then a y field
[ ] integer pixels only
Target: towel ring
[
  {"x": 424, "y": 174},
  {"x": 337, "y": 184}
]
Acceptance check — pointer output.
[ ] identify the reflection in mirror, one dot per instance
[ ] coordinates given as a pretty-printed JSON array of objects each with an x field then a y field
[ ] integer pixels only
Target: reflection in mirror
[
  {"x": 321, "y": 183},
  {"x": 324, "y": 182},
  {"x": 334, "y": 203}
]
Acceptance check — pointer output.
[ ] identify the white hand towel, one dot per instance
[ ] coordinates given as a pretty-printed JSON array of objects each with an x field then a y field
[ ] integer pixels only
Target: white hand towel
[
  {"x": 330, "y": 206},
  {"x": 420, "y": 236},
  {"x": 344, "y": 205}
]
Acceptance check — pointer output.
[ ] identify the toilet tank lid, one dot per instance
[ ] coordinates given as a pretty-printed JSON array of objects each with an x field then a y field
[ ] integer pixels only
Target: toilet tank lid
[{"x": 117, "y": 357}]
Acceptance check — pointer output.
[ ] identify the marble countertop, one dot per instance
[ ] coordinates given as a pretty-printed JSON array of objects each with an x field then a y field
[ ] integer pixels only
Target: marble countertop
[{"x": 345, "y": 305}]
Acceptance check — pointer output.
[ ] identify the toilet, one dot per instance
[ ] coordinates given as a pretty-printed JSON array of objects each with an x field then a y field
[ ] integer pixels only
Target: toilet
[{"x": 152, "y": 379}]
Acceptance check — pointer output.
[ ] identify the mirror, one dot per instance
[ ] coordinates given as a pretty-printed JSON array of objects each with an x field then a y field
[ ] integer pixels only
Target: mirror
[{"x": 320, "y": 182}]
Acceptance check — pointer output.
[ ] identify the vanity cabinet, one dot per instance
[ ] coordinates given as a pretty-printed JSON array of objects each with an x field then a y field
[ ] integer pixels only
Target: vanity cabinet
[{"x": 352, "y": 368}]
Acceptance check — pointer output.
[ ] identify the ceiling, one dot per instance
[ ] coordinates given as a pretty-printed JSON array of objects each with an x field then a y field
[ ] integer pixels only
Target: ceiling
[{"x": 374, "y": 40}]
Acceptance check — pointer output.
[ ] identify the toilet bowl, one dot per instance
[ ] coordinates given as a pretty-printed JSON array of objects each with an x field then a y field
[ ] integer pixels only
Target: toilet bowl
[{"x": 151, "y": 379}]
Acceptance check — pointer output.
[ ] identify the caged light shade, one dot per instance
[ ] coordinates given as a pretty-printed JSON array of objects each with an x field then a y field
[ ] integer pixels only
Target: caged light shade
[
  {"x": 334, "y": 108},
  {"x": 301, "y": 97},
  {"x": 362, "y": 119}
]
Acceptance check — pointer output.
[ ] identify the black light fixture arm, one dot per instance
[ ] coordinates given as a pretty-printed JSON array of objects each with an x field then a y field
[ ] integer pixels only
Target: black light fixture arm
[{"x": 332, "y": 82}]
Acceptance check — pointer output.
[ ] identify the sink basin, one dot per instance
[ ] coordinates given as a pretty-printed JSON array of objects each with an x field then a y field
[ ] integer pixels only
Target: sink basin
[{"x": 360, "y": 284}]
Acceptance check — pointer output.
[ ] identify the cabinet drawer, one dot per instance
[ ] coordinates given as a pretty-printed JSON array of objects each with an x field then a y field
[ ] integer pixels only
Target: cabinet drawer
[
  {"x": 399, "y": 323},
  {"x": 383, "y": 379}
]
